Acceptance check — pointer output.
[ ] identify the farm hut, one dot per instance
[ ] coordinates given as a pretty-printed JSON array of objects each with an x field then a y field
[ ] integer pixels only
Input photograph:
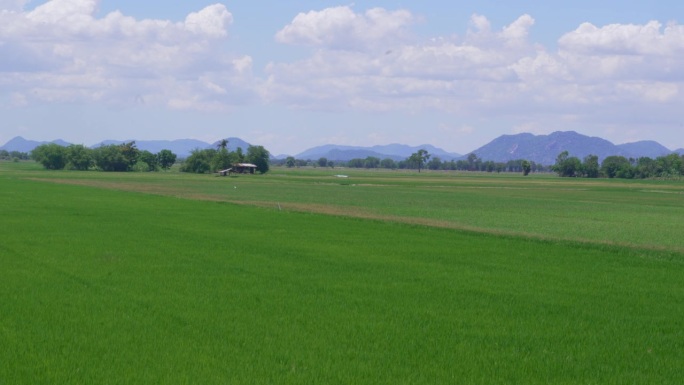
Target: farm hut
[
  {"x": 225, "y": 172},
  {"x": 244, "y": 168}
]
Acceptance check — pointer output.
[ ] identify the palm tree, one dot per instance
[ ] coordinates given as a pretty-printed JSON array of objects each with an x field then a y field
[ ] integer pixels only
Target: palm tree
[{"x": 222, "y": 144}]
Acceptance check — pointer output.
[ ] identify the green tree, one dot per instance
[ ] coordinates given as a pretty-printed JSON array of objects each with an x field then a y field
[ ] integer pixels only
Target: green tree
[
  {"x": 259, "y": 156},
  {"x": 526, "y": 167},
  {"x": 199, "y": 161},
  {"x": 323, "y": 162},
  {"x": 388, "y": 163},
  {"x": 473, "y": 162},
  {"x": 166, "y": 159},
  {"x": 290, "y": 162},
  {"x": 52, "y": 156},
  {"x": 418, "y": 159},
  {"x": 371, "y": 162},
  {"x": 646, "y": 168},
  {"x": 669, "y": 165},
  {"x": 110, "y": 158},
  {"x": 566, "y": 165},
  {"x": 222, "y": 145},
  {"x": 239, "y": 155},
  {"x": 19, "y": 155},
  {"x": 130, "y": 153},
  {"x": 147, "y": 161},
  {"x": 617, "y": 167},
  {"x": 356, "y": 163},
  {"x": 435, "y": 164},
  {"x": 222, "y": 159},
  {"x": 514, "y": 165},
  {"x": 121, "y": 157},
  {"x": 590, "y": 166},
  {"x": 79, "y": 157}
]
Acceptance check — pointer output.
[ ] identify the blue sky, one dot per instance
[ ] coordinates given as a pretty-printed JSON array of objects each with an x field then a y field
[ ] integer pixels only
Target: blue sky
[{"x": 296, "y": 74}]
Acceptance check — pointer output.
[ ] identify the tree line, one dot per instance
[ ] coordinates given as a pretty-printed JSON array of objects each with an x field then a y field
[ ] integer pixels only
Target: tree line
[
  {"x": 423, "y": 160},
  {"x": 127, "y": 157},
  {"x": 668, "y": 166},
  {"x": 14, "y": 155},
  {"x": 114, "y": 157}
]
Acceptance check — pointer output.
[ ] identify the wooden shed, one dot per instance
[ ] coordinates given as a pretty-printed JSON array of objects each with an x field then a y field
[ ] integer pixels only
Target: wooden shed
[{"x": 244, "y": 168}]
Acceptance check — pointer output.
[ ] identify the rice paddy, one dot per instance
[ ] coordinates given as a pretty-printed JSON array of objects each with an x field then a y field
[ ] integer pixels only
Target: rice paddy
[{"x": 298, "y": 276}]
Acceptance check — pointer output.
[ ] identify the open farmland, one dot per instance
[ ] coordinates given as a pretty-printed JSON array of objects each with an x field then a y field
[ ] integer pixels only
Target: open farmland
[{"x": 301, "y": 277}]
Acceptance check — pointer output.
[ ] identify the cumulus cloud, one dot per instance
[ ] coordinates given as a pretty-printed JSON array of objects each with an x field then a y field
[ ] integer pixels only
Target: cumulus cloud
[
  {"x": 596, "y": 73},
  {"x": 341, "y": 27},
  {"x": 625, "y": 52},
  {"x": 212, "y": 21},
  {"x": 367, "y": 60},
  {"x": 444, "y": 73},
  {"x": 625, "y": 39},
  {"x": 61, "y": 52},
  {"x": 519, "y": 29},
  {"x": 64, "y": 12}
]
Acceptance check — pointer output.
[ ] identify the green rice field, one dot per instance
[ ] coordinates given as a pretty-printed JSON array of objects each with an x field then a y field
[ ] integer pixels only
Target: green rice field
[{"x": 305, "y": 277}]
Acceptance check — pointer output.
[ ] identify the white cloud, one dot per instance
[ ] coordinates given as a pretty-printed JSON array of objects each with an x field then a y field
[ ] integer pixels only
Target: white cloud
[
  {"x": 597, "y": 73},
  {"x": 442, "y": 73},
  {"x": 624, "y": 52},
  {"x": 341, "y": 27},
  {"x": 625, "y": 39},
  {"x": 481, "y": 23},
  {"x": 60, "y": 52},
  {"x": 64, "y": 12},
  {"x": 519, "y": 29},
  {"x": 211, "y": 21},
  {"x": 367, "y": 60}
]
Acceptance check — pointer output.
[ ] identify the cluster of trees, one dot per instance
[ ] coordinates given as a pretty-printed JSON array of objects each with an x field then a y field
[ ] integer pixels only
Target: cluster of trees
[
  {"x": 212, "y": 160},
  {"x": 114, "y": 157},
  {"x": 669, "y": 166},
  {"x": 290, "y": 162},
  {"x": 423, "y": 160},
  {"x": 14, "y": 155},
  {"x": 473, "y": 163}
]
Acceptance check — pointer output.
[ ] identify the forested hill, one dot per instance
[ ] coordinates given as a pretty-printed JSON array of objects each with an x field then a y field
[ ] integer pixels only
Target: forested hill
[{"x": 544, "y": 149}]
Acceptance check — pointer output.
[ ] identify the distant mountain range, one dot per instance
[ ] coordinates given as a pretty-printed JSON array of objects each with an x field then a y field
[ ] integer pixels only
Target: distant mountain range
[
  {"x": 22, "y": 145},
  {"x": 393, "y": 151},
  {"x": 542, "y": 149}
]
